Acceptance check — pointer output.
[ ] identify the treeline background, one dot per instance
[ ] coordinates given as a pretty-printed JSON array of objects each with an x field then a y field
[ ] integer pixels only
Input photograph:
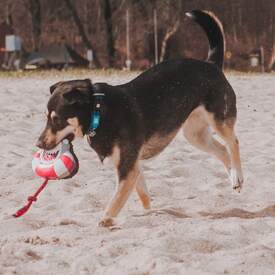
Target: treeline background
[{"x": 101, "y": 25}]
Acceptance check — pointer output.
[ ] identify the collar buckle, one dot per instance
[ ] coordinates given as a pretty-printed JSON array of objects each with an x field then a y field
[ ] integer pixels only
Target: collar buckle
[
  {"x": 91, "y": 133},
  {"x": 95, "y": 114}
]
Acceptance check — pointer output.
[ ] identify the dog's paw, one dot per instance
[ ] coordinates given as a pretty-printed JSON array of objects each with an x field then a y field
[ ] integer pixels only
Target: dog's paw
[
  {"x": 106, "y": 222},
  {"x": 236, "y": 180},
  {"x": 146, "y": 205}
]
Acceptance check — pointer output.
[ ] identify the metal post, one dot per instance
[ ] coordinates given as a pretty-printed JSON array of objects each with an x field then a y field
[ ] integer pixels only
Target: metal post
[
  {"x": 156, "y": 36},
  {"x": 262, "y": 59},
  {"x": 128, "y": 61}
]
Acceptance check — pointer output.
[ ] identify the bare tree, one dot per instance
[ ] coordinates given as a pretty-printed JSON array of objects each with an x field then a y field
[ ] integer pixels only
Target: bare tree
[
  {"x": 168, "y": 34},
  {"x": 173, "y": 14},
  {"x": 80, "y": 22},
  {"x": 109, "y": 30},
  {"x": 81, "y": 30},
  {"x": 272, "y": 38},
  {"x": 34, "y": 9}
]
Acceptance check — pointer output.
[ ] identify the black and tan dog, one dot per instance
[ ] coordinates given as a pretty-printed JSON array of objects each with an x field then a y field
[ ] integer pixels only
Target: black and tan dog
[{"x": 137, "y": 120}]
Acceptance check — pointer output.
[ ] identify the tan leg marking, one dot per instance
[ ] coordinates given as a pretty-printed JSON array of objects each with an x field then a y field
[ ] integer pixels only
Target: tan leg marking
[
  {"x": 115, "y": 157},
  {"x": 197, "y": 132},
  {"x": 142, "y": 191},
  {"x": 124, "y": 189},
  {"x": 141, "y": 187},
  {"x": 226, "y": 131}
]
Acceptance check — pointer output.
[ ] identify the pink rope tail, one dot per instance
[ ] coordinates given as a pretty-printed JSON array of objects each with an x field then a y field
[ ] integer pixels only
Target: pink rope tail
[{"x": 31, "y": 199}]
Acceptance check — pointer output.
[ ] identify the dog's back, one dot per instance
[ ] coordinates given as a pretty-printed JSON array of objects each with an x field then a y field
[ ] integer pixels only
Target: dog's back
[{"x": 169, "y": 92}]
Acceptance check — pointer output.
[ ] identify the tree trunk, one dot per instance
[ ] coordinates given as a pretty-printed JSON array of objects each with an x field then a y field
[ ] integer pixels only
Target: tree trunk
[
  {"x": 272, "y": 35},
  {"x": 9, "y": 7},
  {"x": 109, "y": 30},
  {"x": 34, "y": 8},
  {"x": 81, "y": 31}
]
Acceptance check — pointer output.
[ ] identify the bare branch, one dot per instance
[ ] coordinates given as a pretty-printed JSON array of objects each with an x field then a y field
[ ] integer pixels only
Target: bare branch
[
  {"x": 81, "y": 30},
  {"x": 169, "y": 33}
]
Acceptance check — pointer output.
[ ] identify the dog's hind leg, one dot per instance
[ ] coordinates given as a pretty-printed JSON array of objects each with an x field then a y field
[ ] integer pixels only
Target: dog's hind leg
[
  {"x": 225, "y": 130},
  {"x": 197, "y": 131},
  {"x": 143, "y": 191}
]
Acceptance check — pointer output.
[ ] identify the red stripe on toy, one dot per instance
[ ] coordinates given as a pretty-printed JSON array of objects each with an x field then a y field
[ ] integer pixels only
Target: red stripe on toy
[
  {"x": 46, "y": 172},
  {"x": 67, "y": 162}
]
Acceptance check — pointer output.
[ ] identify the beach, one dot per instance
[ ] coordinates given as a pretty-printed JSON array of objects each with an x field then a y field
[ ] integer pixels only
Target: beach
[{"x": 197, "y": 225}]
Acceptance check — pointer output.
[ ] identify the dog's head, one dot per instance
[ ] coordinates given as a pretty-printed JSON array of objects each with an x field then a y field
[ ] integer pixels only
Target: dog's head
[{"x": 68, "y": 113}]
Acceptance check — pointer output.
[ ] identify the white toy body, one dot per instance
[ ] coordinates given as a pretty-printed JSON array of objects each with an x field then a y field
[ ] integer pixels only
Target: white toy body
[{"x": 58, "y": 163}]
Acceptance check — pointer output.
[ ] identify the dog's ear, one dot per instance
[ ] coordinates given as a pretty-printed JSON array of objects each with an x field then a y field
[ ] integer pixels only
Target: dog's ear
[
  {"x": 54, "y": 86},
  {"x": 77, "y": 96}
]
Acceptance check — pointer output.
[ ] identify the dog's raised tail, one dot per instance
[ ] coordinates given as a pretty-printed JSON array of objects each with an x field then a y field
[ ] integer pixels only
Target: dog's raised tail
[{"x": 214, "y": 31}]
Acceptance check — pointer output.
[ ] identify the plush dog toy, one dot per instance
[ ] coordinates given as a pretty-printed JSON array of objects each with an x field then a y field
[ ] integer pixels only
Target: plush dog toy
[{"x": 58, "y": 163}]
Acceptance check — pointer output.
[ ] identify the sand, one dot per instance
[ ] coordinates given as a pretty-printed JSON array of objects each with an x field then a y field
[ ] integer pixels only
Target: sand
[{"x": 198, "y": 225}]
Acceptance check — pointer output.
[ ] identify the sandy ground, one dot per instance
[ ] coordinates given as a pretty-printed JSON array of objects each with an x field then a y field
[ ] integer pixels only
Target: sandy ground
[{"x": 205, "y": 229}]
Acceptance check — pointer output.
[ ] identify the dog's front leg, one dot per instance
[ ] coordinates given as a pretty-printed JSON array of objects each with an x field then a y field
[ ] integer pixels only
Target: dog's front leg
[{"x": 125, "y": 186}]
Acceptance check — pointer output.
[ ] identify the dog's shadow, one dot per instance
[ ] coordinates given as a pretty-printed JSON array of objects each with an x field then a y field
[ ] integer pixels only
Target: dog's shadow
[
  {"x": 242, "y": 214},
  {"x": 231, "y": 213},
  {"x": 178, "y": 213}
]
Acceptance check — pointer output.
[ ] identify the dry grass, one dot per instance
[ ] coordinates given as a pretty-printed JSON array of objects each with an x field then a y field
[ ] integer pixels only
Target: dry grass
[
  {"x": 83, "y": 72},
  {"x": 63, "y": 73}
]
